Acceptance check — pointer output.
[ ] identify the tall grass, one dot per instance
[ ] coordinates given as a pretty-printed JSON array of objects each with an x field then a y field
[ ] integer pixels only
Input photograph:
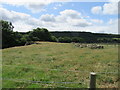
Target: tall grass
[{"x": 36, "y": 63}]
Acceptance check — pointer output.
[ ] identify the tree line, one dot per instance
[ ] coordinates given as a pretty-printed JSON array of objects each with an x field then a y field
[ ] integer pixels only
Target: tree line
[
  {"x": 11, "y": 38},
  {"x": 86, "y": 37}
]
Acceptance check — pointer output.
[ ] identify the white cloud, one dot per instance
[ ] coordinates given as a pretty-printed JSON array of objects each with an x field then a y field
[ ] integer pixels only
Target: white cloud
[
  {"x": 34, "y": 6},
  {"x": 47, "y": 18},
  {"x": 73, "y": 18},
  {"x": 12, "y": 15},
  {"x": 114, "y": 1},
  {"x": 112, "y": 21},
  {"x": 71, "y": 13},
  {"x": 110, "y": 27},
  {"x": 60, "y": 19},
  {"x": 69, "y": 17},
  {"x": 97, "y": 21},
  {"x": 113, "y": 25},
  {"x": 110, "y": 8},
  {"x": 64, "y": 15},
  {"x": 55, "y": 8},
  {"x": 21, "y": 21},
  {"x": 78, "y": 22},
  {"x": 59, "y": 5},
  {"x": 1, "y": 6},
  {"x": 96, "y": 10},
  {"x": 22, "y": 26},
  {"x": 66, "y": 20}
]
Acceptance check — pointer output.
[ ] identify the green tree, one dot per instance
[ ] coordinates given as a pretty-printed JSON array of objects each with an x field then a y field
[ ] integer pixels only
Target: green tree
[
  {"x": 54, "y": 39},
  {"x": 8, "y": 39},
  {"x": 64, "y": 39},
  {"x": 40, "y": 34},
  {"x": 77, "y": 39}
]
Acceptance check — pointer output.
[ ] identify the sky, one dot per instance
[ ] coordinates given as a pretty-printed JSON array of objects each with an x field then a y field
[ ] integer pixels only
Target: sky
[{"x": 96, "y": 17}]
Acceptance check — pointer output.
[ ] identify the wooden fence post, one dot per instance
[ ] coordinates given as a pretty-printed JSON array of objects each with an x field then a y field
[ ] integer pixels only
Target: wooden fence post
[{"x": 92, "y": 80}]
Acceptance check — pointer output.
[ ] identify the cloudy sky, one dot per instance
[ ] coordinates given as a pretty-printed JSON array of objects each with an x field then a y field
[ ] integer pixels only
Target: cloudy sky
[{"x": 98, "y": 17}]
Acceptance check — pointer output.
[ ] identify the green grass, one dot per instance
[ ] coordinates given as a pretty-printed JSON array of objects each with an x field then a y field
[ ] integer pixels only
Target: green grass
[{"x": 36, "y": 63}]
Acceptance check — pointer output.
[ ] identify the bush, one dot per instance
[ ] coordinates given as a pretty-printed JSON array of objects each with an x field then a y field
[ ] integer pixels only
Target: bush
[
  {"x": 76, "y": 39},
  {"x": 54, "y": 39},
  {"x": 64, "y": 39}
]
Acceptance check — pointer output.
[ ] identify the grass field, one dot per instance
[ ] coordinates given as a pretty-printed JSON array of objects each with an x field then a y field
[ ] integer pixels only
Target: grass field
[{"x": 59, "y": 62}]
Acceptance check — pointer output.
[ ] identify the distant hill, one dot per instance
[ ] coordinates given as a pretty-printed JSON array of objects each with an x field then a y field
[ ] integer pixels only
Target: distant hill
[
  {"x": 87, "y": 37},
  {"x": 83, "y": 34}
]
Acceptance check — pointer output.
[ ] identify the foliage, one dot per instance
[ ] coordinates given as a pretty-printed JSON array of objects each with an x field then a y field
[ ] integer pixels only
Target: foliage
[
  {"x": 64, "y": 39},
  {"x": 110, "y": 40},
  {"x": 11, "y": 38},
  {"x": 77, "y": 39},
  {"x": 40, "y": 34},
  {"x": 54, "y": 39},
  {"x": 8, "y": 39},
  {"x": 88, "y": 37}
]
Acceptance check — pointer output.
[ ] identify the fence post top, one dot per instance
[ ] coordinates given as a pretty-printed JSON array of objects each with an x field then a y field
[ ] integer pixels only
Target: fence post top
[{"x": 92, "y": 73}]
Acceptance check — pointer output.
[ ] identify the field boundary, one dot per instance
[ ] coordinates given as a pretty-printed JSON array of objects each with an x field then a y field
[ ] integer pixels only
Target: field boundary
[
  {"x": 92, "y": 77},
  {"x": 61, "y": 70}
]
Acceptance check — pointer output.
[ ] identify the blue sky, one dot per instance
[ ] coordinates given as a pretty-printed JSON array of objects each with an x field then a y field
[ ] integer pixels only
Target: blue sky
[{"x": 100, "y": 17}]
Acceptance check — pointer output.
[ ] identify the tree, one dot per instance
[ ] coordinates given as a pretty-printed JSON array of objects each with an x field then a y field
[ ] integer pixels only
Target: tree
[
  {"x": 64, "y": 39},
  {"x": 40, "y": 34},
  {"x": 8, "y": 39},
  {"x": 54, "y": 39},
  {"x": 77, "y": 39}
]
